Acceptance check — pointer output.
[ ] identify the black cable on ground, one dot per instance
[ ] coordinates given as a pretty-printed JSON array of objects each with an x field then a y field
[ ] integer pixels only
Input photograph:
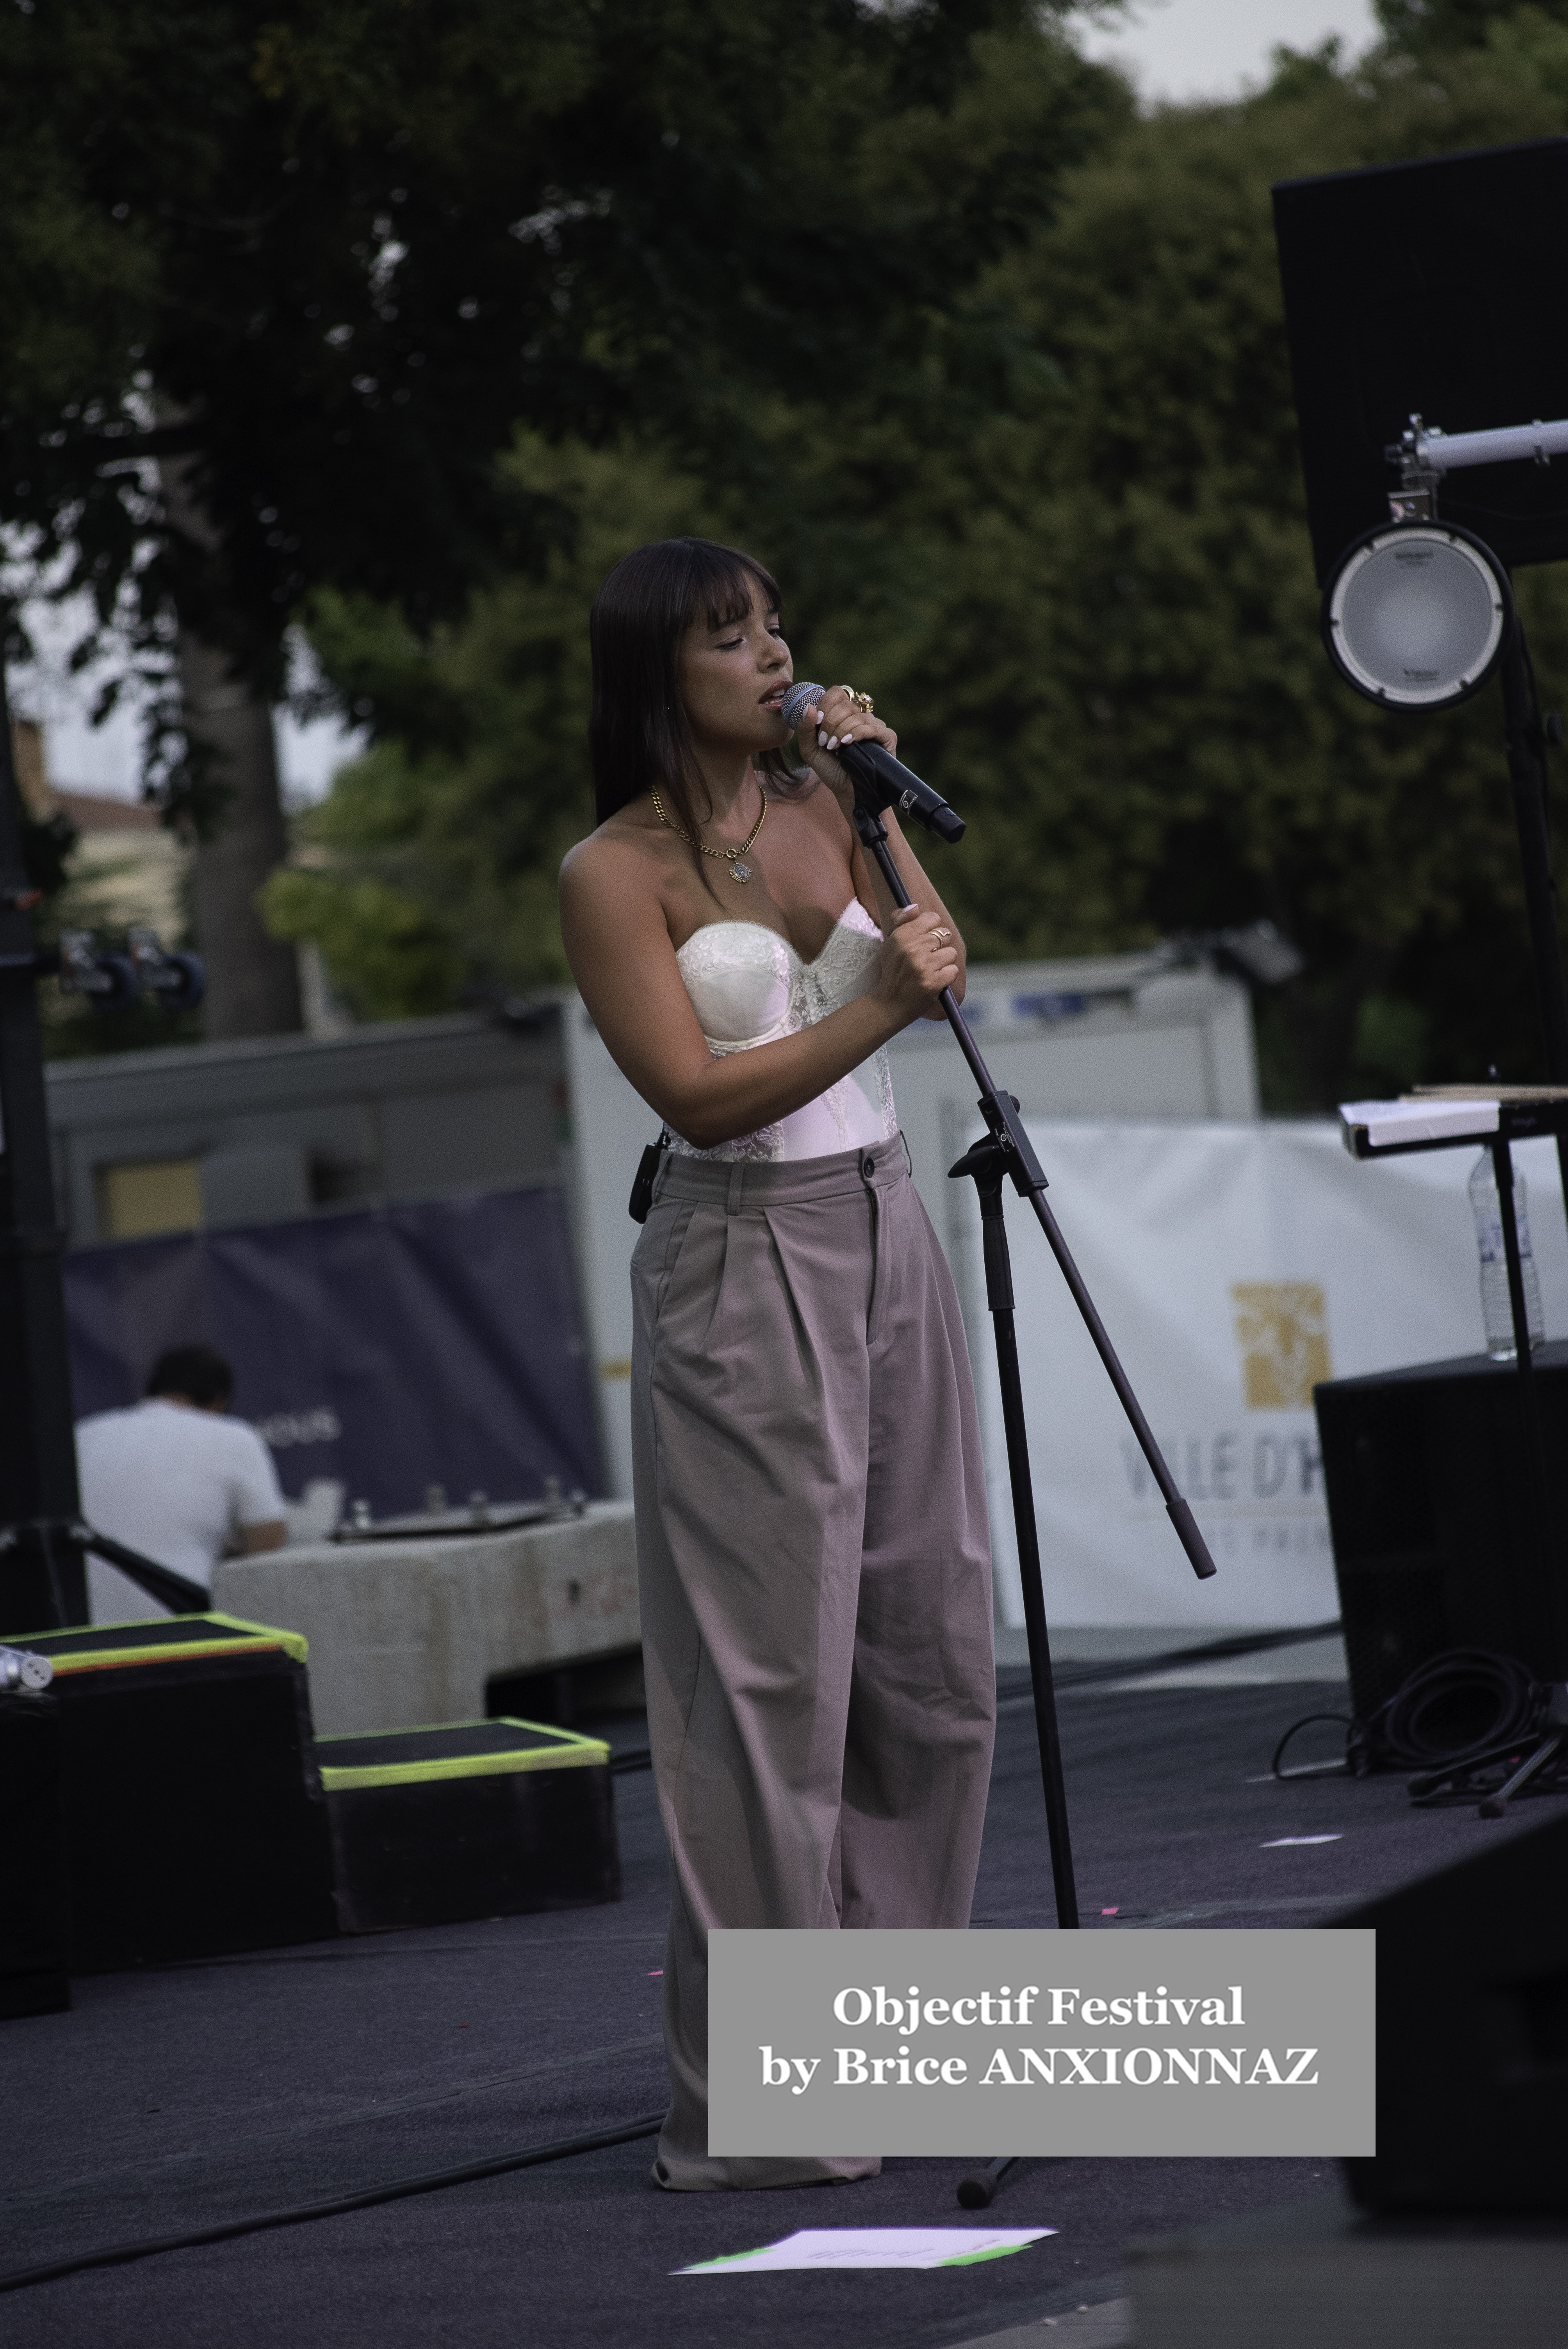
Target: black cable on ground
[
  {"x": 113, "y": 2255},
  {"x": 1212, "y": 1651},
  {"x": 1313, "y": 1769},
  {"x": 1084, "y": 1675}
]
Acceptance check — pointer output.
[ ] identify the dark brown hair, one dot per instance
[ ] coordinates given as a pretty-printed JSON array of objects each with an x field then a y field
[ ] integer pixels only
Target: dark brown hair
[
  {"x": 639, "y": 736},
  {"x": 200, "y": 1373}
]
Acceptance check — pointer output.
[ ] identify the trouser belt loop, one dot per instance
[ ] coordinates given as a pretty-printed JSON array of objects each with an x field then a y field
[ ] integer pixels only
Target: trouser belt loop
[{"x": 737, "y": 1187}]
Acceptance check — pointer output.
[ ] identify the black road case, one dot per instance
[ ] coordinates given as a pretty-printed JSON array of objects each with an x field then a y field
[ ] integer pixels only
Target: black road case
[
  {"x": 195, "y": 1822},
  {"x": 32, "y": 1840},
  {"x": 475, "y": 1818}
]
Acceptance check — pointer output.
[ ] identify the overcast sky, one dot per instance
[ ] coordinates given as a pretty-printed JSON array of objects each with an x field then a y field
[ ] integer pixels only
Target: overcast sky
[
  {"x": 1174, "y": 48},
  {"x": 1211, "y": 49}
]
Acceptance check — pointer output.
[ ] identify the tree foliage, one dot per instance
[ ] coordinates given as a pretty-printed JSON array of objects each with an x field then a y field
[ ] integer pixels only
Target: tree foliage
[
  {"x": 1174, "y": 750},
  {"x": 428, "y": 877},
  {"x": 333, "y": 252},
  {"x": 1092, "y": 612}
]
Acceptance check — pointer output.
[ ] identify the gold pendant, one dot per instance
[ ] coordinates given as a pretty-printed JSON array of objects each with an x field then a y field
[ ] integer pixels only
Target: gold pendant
[{"x": 737, "y": 871}]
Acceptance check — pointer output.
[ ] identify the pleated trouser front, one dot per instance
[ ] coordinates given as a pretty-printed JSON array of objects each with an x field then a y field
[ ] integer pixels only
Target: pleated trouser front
[{"x": 815, "y": 1576}]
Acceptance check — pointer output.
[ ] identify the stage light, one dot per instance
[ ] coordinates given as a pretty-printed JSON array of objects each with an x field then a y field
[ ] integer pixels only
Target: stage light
[{"x": 1414, "y": 614}]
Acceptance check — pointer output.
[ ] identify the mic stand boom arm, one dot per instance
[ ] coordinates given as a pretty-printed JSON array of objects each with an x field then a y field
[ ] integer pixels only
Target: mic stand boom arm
[
  {"x": 1024, "y": 1170},
  {"x": 1006, "y": 1154}
]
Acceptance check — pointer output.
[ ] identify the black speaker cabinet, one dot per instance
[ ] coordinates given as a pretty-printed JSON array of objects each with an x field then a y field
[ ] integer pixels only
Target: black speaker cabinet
[
  {"x": 1472, "y": 2034},
  {"x": 478, "y": 1818},
  {"x": 195, "y": 1821},
  {"x": 32, "y": 1851},
  {"x": 1428, "y": 288},
  {"x": 1434, "y": 1545}
]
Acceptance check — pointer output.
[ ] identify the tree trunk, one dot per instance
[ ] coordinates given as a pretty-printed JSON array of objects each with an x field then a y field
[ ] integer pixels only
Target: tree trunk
[{"x": 253, "y": 980}]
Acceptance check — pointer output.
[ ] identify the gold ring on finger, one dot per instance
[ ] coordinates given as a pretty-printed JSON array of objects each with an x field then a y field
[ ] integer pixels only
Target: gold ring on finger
[{"x": 942, "y": 936}]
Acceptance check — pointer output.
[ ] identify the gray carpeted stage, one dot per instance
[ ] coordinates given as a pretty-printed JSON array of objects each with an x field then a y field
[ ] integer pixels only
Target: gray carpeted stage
[{"x": 178, "y": 2098}]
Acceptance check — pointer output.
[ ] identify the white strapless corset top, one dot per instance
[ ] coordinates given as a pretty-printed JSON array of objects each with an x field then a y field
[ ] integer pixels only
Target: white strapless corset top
[{"x": 747, "y": 986}]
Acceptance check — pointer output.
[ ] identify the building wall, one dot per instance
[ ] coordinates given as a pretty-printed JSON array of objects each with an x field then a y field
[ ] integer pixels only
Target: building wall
[{"x": 207, "y": 1136}]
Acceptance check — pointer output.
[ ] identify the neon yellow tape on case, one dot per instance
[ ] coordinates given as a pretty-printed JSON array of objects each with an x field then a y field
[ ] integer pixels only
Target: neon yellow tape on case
[
  {"x": 259, "y": 1636},
  {"x": 565, "y": 1751}
]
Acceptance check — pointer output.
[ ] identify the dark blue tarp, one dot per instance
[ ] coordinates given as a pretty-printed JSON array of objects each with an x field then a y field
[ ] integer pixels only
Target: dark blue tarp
[{"x": 392, "y": 1347}]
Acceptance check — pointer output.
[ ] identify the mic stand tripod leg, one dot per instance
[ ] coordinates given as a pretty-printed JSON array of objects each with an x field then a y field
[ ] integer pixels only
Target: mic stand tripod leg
[
  {"x": 979, "y": 2189},
  {"x": 984, "y": 1163}
]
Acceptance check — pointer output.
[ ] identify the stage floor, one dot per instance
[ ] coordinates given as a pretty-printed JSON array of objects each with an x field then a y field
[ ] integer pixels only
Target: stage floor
[{"x": 176, "y": 2099}]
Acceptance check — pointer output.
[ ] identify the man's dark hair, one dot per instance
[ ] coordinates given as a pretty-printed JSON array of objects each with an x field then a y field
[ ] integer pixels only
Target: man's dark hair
[{"x": 200, "y": 1373}]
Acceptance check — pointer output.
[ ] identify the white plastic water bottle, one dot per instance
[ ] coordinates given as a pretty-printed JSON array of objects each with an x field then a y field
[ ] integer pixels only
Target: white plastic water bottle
[{"x": 1496, "y": 1313}]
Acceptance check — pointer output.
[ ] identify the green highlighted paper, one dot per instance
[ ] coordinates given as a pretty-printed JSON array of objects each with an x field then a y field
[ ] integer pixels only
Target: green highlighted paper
[{"x": 876, "y": 2247}]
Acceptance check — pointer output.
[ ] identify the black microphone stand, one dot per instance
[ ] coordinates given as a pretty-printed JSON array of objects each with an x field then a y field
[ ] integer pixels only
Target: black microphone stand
[
  {"x": 1006, "y": 1154},
  {"x": 43, "y": 1541}
]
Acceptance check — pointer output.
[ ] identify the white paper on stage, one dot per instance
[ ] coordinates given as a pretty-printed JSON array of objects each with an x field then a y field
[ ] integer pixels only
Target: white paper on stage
[
  {"x": 1234, "y": 1266},
  {"x": 876, "y": 2247}
]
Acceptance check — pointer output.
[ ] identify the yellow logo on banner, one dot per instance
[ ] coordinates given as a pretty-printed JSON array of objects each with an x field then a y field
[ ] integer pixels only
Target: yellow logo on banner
[{"x": 1282, "y": 1328}]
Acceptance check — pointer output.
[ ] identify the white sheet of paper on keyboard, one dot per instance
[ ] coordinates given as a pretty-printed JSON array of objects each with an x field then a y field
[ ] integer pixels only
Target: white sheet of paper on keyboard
[{"x": 875, "y": 2247}]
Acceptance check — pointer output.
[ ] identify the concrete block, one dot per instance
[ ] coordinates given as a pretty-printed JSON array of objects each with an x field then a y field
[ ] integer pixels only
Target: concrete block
[{"x": 405, "y": 1633}]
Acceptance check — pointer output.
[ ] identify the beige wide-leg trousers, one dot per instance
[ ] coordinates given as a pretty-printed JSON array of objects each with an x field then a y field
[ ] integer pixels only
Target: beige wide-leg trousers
[{"x": 815, "y": 1573}]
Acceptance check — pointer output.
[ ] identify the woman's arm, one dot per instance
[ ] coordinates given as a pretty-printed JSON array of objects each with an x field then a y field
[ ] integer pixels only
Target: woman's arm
[
  {"x": 618, "y": 945},
  {"x": 838, "y": 711}
]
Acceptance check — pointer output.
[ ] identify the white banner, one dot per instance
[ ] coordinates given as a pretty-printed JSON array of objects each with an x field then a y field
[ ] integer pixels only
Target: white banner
[{"x": 1234, "y": 1266}]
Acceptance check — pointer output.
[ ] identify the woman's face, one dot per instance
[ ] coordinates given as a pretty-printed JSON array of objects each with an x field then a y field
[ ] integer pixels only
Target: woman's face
[{"x": 734, "y": 679}]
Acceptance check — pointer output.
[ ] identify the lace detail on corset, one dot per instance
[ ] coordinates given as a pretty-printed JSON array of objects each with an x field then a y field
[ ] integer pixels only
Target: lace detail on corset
[{"x": 748, "y": 986}]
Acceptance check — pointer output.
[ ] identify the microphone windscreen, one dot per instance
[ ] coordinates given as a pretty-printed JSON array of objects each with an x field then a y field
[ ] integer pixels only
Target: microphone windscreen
[{"x": 798, "y": 700}]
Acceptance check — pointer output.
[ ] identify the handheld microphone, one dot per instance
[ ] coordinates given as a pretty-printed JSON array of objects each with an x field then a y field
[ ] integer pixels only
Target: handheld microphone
[{"x": 880, "y": 778}]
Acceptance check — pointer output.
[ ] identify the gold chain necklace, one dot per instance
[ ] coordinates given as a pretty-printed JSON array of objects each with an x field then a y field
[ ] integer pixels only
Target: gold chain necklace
[{"x": 739, "y": 871}]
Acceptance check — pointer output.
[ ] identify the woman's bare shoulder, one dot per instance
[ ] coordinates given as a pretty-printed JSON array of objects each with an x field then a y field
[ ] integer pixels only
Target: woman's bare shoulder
[{"x": 622, "y": 853}]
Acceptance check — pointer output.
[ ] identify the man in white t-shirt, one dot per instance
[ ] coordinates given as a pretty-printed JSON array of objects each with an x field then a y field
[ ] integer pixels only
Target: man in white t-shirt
[{"x": 176, "y": 1479}]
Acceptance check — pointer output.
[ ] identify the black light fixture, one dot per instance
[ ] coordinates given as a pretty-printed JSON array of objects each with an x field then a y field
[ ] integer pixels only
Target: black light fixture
[{"x": 1428, "y": 285}]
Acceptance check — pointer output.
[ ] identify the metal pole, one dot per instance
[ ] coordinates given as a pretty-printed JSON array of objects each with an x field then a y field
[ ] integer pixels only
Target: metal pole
[
  {"x": 1527, "y": 772},
  {"x": 42, "y": 1577},
  {"x": 1552, "y": 1565}
]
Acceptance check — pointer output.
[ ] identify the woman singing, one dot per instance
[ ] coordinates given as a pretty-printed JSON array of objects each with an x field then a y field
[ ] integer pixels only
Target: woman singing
[{"x": 812, "y": 1536}]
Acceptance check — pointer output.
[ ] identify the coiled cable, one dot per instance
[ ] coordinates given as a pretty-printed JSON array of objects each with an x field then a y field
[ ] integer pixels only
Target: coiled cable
[{"x": 1465, "y": 1702}]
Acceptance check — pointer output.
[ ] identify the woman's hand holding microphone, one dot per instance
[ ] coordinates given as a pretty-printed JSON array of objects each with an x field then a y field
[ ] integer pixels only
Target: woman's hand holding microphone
[
  {"x": 920, "y": 953},
  {"x": 919, "y": 958},
  {"x": 842, "y": 716}
]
